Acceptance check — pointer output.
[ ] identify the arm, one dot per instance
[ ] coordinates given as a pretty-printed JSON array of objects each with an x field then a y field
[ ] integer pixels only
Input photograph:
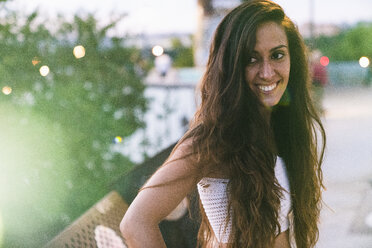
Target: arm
[{"x": 139, "y": 226}]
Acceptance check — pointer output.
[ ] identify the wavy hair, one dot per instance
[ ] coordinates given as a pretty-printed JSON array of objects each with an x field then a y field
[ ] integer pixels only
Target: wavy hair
[{"x": 232, "y": 132}]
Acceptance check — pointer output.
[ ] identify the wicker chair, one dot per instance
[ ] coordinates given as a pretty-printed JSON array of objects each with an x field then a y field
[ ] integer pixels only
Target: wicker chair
[{"x": 98, "y": 227}]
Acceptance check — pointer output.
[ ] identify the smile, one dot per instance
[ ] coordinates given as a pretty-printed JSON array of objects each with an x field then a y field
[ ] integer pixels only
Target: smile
[{"x": 268, "y": 88}]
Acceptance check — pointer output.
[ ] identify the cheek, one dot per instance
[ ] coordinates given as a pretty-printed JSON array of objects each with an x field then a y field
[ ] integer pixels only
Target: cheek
[
  {"x": 285, "y": 70},
  {"x": 288, "y": 69}
]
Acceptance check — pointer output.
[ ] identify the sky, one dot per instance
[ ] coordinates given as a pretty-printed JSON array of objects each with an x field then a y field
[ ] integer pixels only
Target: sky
[{"x": 180, "y": 16}]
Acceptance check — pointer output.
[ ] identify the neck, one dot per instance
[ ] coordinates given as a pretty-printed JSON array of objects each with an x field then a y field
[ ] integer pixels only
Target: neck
[{"x": 267, "y": 111}]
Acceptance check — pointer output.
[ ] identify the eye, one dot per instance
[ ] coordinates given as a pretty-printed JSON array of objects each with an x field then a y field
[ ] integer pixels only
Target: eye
[
  {"x": 251, "y": 60},
  {"x": 277, "y": 55}
]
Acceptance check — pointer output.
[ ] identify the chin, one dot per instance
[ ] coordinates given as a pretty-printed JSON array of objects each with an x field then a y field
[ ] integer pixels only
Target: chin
[{"x": 270, "y": 103}]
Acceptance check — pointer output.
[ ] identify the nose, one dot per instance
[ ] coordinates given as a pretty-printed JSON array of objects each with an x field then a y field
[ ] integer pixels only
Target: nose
[{"x": 266, "y": 70}]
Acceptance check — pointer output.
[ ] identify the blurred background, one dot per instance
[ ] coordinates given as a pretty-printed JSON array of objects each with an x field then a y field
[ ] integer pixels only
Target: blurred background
[{"x": 89, "y": 89}]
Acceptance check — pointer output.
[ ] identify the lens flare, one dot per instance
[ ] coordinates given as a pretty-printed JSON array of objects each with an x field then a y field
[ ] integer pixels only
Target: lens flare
[
  {"x": 364, "y": 62},
  {"x": 7, "y": 90},
  {"x": 44, "y": 70},
  {"x": 157, "y": 50},
  {"x": 79, "y": 51}
]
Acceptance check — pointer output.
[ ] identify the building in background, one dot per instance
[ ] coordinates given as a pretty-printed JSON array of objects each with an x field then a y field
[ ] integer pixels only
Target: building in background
[
  {"x": 319, "y": 29},
  {"x": 210, "y": 13},
  {"x": 147, "y": 41}
]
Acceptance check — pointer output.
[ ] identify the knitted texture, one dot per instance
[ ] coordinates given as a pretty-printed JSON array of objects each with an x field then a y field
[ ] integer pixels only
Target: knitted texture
[
  {"x": 213, "y": 194},
  {"x": 285, "y": 202}
]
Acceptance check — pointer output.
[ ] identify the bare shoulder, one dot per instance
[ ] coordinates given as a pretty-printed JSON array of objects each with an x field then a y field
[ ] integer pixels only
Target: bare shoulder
[
  {"x": 165, "y": 189},
  {"x": 183, "y": 160},
  {"x": 179, "y": 166}
]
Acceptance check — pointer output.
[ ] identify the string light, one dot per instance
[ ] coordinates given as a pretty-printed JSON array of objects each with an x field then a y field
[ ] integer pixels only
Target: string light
[
  {"x": 44, "y": 70},
  {"x": 79, "y": 51},
  {"x": 157, "y": 50},
  {"x": 35, "y": 61},
  {"x": 364, "y": 62},
  {"x": 118, "y": 139},
  {"x": 7, "y": 90},
  {"x": 324, "y": 61}
]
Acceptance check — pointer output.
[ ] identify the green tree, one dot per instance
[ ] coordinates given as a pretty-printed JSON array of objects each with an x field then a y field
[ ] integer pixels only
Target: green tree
[
  {"x": 350, "y": 44},
  {"x": 182, "y": 55},
  {"x": 57, "y": 131}
]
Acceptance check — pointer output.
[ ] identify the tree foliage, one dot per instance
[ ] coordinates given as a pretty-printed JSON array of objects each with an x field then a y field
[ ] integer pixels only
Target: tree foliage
[
  {"x": 348, "y": 45},
  {"x": 182, "y": 55},
  {"x": 58, "y": 130}
]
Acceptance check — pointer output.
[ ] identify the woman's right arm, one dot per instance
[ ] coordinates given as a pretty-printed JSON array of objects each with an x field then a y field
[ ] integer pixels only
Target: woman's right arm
[{"x": 139, "y": 225}]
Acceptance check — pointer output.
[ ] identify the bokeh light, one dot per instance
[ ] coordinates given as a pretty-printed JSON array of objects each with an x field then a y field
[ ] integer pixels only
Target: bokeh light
[
  {"x": 157, "y": 50},
  {"x": 44, "y": 70},
  {"x": 118, "y": 139},
  {"x": 364, "y": 62},
  {"x": 35, "y": 61},
  {"x": 7, "y": 90},
  {"x": 324, "y": 60},
  {"x": 79, "y": 51}
]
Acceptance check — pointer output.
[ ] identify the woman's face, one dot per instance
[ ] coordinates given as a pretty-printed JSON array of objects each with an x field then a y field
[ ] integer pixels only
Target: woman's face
[{"x": 267, "y": 72}]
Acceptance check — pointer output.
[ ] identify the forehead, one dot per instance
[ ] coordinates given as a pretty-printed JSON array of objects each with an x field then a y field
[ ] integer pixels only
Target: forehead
[{"x": 270, "y": 35}]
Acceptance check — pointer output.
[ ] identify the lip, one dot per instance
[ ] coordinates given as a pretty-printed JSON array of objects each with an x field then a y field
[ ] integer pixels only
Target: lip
[{"x": 267, "y": 88}]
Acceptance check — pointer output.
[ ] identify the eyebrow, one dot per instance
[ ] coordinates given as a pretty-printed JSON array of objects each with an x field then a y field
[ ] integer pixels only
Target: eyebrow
[
  {"x": 278, "y": 47},
  {"x": 274, "y": 48}
]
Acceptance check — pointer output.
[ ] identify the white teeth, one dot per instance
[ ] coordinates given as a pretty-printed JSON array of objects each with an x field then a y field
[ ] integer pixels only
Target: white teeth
[{"x": 267, "y": 88}]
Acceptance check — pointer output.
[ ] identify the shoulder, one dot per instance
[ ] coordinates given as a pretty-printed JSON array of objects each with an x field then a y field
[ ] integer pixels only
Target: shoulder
[
  {"x": 180, "y": 166},
  {"x": 183, "y": 149}
]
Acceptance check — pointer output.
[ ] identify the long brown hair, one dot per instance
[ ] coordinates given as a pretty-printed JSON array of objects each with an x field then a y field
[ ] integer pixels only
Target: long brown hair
[{"x": 231, "y": 131}]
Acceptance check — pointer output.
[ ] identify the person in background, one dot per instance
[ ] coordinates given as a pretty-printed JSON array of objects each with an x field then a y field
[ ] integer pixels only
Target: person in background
[
  {"x": 319, "y": 79},
  {"x": 163, "y": 64},
  {"x": 251, "y": 150}
]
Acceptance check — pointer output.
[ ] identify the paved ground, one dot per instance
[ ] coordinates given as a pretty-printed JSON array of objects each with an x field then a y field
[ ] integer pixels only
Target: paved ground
[{"x": 347, "y": 221}]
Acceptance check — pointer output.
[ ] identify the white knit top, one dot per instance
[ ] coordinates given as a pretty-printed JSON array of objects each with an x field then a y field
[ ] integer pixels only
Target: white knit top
[{"x": 213, "y": 195}]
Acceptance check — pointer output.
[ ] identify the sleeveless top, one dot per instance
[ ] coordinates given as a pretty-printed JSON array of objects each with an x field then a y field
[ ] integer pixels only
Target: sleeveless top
[{"x": 213, "y": 195}]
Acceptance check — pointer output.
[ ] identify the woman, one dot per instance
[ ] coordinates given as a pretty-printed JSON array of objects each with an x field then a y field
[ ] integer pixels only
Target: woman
[{"x": 251, "y": 149}]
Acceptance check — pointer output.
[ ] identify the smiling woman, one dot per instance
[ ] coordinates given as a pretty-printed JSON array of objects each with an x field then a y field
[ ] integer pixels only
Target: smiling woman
[
  {"x": 254, "y": 160},
  {"x": 267, "y": 71}
]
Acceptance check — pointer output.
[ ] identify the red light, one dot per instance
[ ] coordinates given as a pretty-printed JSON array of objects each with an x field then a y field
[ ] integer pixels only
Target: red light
[{"x": 324, "y": 61}]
